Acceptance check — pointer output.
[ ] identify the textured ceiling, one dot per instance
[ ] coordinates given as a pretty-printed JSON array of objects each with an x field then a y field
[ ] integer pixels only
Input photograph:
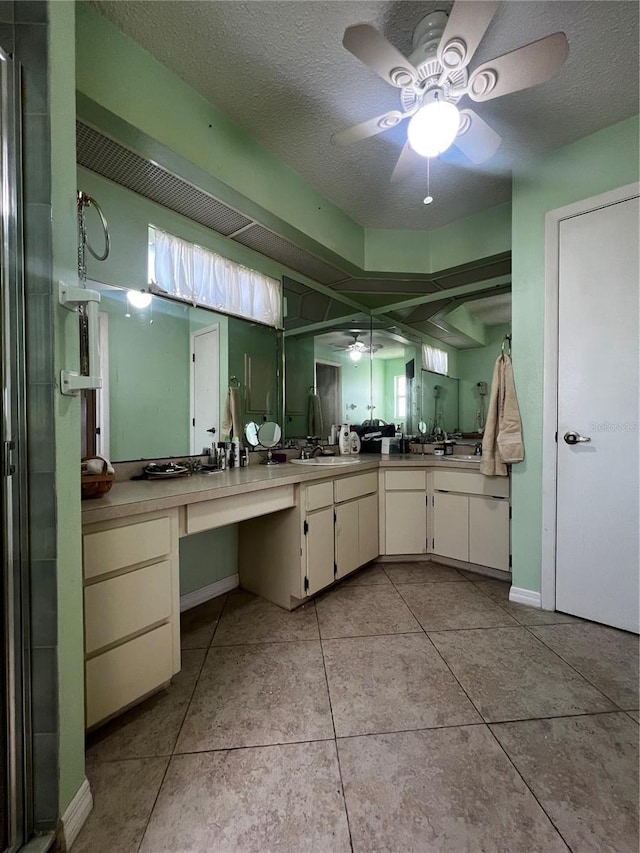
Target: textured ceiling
[{"x": 280, "y": 71}]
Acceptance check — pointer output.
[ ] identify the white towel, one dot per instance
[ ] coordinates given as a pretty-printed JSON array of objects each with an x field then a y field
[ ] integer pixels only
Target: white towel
[
  {"x": 502, "y": 441},
  {"x": 231, "y": 425},
  {"x": 316, "y": 427}
]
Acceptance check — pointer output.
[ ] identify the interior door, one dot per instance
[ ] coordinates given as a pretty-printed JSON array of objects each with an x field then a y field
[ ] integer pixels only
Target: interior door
[
  {"x": 597, "y": 467},
  {"x": 205, "y": 388}
]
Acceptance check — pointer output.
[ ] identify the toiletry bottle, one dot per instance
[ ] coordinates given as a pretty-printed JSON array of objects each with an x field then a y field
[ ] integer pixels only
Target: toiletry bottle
[
  {"x": 354, "y": 442},
  {"x": 344, "y": 443},
  {"x": 222, "y": 457}
]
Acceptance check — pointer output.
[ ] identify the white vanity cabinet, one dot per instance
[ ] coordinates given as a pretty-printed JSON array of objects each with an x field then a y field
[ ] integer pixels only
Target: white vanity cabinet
[
  {"x": 131, "y": 610},
  {"x": 470, "y": 518},
  {"x": 404, "y": 512},
  {"x": 332, "y": 531}
]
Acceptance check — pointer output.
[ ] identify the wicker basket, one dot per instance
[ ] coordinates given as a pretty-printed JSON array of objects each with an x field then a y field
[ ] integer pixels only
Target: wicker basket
[{"x": 96, "y": 485}]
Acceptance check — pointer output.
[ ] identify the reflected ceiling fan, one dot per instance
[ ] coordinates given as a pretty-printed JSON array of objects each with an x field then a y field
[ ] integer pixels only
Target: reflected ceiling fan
[
  {"x": 356, "y": 348},
  {"x": 435, "y": 77}
]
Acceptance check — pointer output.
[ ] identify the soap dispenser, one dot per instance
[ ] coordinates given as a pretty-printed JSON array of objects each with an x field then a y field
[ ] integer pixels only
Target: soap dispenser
[
  {"x": 354, "y": 442},
  {"x": 344, "y": 443}
]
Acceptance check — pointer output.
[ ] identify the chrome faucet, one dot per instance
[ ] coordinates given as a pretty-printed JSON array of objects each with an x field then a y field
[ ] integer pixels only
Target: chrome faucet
[{"x": 478, "y": 448}]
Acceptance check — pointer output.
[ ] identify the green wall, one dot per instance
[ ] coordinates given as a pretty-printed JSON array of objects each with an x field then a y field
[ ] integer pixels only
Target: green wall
[
  {"x": 208, "y": 557},
  {"x": 67, "y": 409},
  {"x": 601, "y": 162},
  {"x": 476, "y": 365}
]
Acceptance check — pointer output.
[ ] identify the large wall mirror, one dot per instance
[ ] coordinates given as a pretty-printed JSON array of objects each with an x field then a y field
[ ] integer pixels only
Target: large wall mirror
[{"x": 166, "y": 369}]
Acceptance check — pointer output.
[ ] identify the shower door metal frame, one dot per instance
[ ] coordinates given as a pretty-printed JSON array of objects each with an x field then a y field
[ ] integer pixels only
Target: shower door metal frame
[{"x": 15, "y": 544}]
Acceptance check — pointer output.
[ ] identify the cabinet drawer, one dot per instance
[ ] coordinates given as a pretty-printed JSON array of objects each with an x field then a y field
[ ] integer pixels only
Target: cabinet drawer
[
  {"x": 319, "y": 496},
  {"x": 207, "y": 515},
  {"x": 110, "y": 550},
  {"x": 471, "y": 483},
  {"x": 120, "y": 676},
  {"x": 126, "y": 604},
  {"x": 347, "y": 488},
  {"x": 405, "y": 480}
]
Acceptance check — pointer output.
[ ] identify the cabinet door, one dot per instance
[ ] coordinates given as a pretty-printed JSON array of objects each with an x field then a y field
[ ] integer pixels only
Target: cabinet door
[
  {"x": 368, "y": 545},
  {"x": 347, "y": 538},
  {"x": 405, "y": 522},
  {"x": 451, "y": 526},
  {"x": 319, "y": 549},
  {"x": 489, "y": 532}
]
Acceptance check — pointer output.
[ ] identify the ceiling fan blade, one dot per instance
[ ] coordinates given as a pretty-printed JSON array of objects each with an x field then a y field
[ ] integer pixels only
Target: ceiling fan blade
[
  {"x": 476, "y": 139},
  {"x": 369, "y": 128},
  {"x": 408, "y": 163},
  {"x": 527, "y": 66},
  {"x": 463, "y": 33},
  {"x": 368, "y": 45}
]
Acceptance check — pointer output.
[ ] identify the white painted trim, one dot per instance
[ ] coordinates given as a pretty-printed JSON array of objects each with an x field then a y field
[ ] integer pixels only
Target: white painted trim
[
  {"x": 525, "y": 596},
  {"x": 550, "y": 377},
  {"x": 76, "y": 813},
  {"x": 206, "y": 593}
]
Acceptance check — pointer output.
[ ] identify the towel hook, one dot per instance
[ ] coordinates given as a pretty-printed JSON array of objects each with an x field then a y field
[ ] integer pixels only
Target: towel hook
[
  {"x": 234, "y": 382},
  {"x": 506, "y": 345}
]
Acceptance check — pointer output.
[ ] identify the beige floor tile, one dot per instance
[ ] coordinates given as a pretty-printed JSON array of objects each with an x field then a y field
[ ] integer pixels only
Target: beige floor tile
[
  {"x": 634, "y": 715},
  {"x": 152, "y": 727},
  {"x": 449, "y": 790},
  {"x": 448, "y": 606},
  {"x": 198, "y": 624},
  {"x": 392, "y": 683},
  {"x": 418, "y": 572},
  {"x": 369, "y": 576},
  {"x": 363, "y": 610},
  {"x": 510, "y": 675},
  {"x": 605, "y": 656},
  {"x": 275, "y": 798},
  {"x": 498, "y": 591},
  {"x": 256, "y": 695},
  {"x": 584, "y": 773},
  {"x": 123, "y": 796},
  {"x": 249, "y": 619}
]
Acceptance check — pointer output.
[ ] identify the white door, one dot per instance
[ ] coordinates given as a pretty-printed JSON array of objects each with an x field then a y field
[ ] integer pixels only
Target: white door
[
  {"x": 597, "y": 480},
  {"x": 205, "y": 388}
]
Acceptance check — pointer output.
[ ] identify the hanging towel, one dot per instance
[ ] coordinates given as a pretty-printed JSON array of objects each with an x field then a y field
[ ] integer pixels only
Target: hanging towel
[
  {"x": 231, "y": 425},
  {"x": 316, "y": 427},
  {"x": 502, "y": 441}
]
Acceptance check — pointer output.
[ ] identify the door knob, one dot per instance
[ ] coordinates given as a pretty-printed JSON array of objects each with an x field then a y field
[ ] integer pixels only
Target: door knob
[{"x": 573, "y": 437}]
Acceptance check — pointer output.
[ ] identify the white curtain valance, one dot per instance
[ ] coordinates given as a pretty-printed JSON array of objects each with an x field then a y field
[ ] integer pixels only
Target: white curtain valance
[
  {"x": 435, "y": 360},
  {"x": 197, "y": 275}
]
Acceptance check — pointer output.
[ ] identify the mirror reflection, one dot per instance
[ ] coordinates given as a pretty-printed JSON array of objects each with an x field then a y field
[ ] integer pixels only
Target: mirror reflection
[{"x": 167, "y": 368}]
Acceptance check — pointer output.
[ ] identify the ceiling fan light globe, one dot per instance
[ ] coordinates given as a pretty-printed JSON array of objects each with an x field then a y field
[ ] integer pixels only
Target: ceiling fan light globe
[
  {"x": 138, "y": 298},
  {"x": 355, "y": 355},
  {"x": 433, "y": 128}
]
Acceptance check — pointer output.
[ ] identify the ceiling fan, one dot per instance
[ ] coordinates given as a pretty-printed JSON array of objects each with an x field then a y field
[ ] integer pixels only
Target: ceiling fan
[
  {"x": 435, "y": 77},
  {"x": 356, "y": 349}
]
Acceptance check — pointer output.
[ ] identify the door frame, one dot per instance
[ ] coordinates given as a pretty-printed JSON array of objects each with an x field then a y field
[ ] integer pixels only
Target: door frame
[{"x": 550, "y": 375}]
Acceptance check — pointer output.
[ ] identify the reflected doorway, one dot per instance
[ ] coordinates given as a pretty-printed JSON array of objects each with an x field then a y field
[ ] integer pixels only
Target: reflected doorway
[{"x": 328, "y": 385}]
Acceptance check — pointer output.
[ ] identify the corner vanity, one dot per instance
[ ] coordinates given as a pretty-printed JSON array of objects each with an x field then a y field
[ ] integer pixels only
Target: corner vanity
[{"x": 300, "y": 530}]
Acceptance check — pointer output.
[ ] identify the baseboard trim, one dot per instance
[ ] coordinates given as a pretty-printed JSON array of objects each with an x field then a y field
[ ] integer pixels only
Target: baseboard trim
[
  {"x": 76, "y": 813},
  {"x": 525, "y": 596},
  {"x": 206, "y": 593}
]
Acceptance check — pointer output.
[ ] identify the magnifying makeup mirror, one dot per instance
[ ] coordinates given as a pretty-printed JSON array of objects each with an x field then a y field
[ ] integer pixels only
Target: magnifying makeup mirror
[{"x": 266, "y": 435}]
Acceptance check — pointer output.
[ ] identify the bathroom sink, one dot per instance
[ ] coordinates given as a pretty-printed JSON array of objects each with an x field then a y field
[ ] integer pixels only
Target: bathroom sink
[
  {"x": 327, "y": 460},
  {"x": 462, "y": 457}
]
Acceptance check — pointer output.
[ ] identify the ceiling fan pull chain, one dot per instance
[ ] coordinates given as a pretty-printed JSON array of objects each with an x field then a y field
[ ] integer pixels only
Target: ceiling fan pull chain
[{"x": 428, "y": 198}]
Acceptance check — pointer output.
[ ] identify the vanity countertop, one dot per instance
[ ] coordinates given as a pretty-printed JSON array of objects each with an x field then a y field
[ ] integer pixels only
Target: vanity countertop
[{"x": 132, "y": 497}]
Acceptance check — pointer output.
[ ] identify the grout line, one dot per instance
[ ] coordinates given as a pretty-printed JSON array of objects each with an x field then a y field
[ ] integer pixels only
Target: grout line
[
  {"x": 253, "y": 746},
  {"x": 152, "y": 809},
  {"x": 528, "y": 787},
  {"x": 568, "y": 663},
  {"x": 335, "y": 742}
]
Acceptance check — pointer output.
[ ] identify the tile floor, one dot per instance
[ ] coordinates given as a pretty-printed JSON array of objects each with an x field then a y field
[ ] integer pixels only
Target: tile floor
[{"x": 411, "y": 708}]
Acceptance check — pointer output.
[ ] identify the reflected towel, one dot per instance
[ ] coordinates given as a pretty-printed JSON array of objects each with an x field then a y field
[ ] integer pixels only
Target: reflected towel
[
  {"x": 316, "y": 427},
  {"x": 502, "y": 441},
  {"x": 231, "y": 425}
]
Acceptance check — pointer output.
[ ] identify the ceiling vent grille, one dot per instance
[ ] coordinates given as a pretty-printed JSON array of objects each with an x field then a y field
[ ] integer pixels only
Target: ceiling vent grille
[
  {"x": 114, "y": 161},
  {"x": 125, "y": 167},
  {"x": 276, "y": 247}
]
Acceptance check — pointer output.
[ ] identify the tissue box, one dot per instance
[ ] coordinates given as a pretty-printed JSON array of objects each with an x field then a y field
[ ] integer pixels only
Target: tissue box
[{"x": 390, "y": 445}]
